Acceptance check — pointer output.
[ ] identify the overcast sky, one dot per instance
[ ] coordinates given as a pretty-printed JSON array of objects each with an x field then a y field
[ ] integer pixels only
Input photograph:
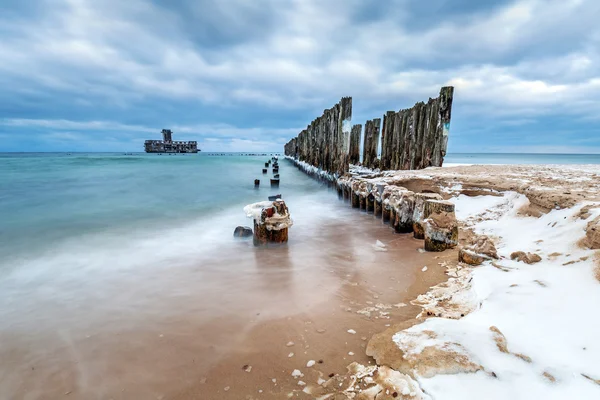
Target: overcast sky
[{"x": 243, "y": 75}]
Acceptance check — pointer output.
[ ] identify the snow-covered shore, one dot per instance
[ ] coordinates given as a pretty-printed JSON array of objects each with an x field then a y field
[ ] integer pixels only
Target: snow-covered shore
[
  {"x": 531, "y": 333},
  {"x": 508, "y": 329}
]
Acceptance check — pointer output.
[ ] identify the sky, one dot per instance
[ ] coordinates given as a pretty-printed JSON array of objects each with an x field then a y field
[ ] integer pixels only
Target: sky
[{"x": 239, "y": 75}]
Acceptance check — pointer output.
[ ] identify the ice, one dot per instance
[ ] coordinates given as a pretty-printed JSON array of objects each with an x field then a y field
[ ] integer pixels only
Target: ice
[{"x": 297, "y": 374}]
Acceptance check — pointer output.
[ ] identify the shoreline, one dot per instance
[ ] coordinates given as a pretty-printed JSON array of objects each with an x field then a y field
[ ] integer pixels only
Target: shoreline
[{"x": 429, "y": 359}]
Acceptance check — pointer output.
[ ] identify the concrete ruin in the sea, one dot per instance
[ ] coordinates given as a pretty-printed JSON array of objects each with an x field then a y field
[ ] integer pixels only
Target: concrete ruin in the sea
[{"x": 413, "y": 138}]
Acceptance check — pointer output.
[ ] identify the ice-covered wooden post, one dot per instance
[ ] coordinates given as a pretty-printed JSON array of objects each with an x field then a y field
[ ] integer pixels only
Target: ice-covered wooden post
[
  {"x": 271, "y": 221},
  {"x": 440, "y": 227},
  {"x": 419, "y": 212}
]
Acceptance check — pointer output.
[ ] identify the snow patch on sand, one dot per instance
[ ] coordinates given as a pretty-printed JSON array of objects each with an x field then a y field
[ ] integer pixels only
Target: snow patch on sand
[{"x": 542, "y": 310}]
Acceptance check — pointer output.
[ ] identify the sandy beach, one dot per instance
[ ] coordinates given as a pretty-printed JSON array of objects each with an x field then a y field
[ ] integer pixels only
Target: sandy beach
[
  {"x": 510, "y": 324},
  {"x": 170, "y": 336}
]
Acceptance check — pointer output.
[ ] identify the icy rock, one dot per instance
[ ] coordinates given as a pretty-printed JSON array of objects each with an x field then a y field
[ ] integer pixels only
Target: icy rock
[
  {"x": 242, "y": 232},
  {"x": 429, "y": 355},
  {"x": 527, "y": 258},
  {"x": 480, "y": 250}
]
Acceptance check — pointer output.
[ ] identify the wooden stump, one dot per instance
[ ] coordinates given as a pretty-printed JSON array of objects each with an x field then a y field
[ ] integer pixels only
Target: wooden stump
[
  {"x": 385, "y": 213},
  {"x": 370, "y": 203},
  {"x": 419, "y": 212},
  {"x": 441, "y": 231},
  {"x": 378, "y": 208},
  {"x": 362, "y": 201},
  {"x": 355, "y": 200}
]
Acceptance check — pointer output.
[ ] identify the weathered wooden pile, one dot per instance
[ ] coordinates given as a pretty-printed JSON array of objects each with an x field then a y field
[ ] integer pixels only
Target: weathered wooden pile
[
  {"x": 413, "y": 138},
  {"x": 325, "y": 143}
]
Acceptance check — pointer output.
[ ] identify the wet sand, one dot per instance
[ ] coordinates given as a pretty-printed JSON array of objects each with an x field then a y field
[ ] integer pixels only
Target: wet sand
[{"x": 190, "y": 333}]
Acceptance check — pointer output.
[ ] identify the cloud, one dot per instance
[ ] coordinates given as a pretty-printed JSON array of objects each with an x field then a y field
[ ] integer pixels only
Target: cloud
[{"x": 268, "y": 67}]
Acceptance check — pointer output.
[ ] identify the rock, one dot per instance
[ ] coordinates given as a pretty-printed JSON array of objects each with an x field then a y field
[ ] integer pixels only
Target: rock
[
  {"x": 480, "y": 250},
  {"x": 441, "y": 231},
  {"x": 271, "y": 221},
  {"x": 527, "y": 258},
  {"x": 242, "y": 232},
  {"x": 256, "y": 182}
]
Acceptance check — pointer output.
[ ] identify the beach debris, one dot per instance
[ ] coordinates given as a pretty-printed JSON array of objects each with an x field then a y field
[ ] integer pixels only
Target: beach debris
[
  {"x": 264, "y": 171},
  {"x": 289, "y": 344},
  {"x": 226, "y": 388},
  {"x": 424, "y": 268},
  {"x": 351, "y": 331},
  {"x": 256, "y": 182},
  {"x": 301, "y": 383},
  {"x": 271, "y": 221},
  {"x": 370, "y": 383},
  {"x": 290, "y": 355},
  {"x": 275, "y": 182},
  {"x": 247, "y": 368},
  {"x": 297, "y": 374},
  {"x": 242, "y": 232},
  {"x": 310, "y": 363},
  {"x": 527, "y": 258}
]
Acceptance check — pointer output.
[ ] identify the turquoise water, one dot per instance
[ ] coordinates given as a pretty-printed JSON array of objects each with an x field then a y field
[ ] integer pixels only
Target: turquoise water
[{"x": 46, "y": 199}]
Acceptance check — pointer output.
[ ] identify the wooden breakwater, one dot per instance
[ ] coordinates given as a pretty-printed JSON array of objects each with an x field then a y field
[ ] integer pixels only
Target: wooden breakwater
[{"x": 412, "y": 138}]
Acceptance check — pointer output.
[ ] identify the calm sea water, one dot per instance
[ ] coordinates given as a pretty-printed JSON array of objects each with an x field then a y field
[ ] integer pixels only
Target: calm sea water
[{"x": 47, "y": 199}]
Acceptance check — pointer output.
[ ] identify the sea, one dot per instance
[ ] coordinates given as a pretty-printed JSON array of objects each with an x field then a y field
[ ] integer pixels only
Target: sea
[{"x": 94, "y": 245}]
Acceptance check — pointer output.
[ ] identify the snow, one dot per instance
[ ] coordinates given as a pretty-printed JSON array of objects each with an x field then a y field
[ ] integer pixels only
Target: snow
[
  {"x": 254, "y": 210},
  {"x": 546, "y": 311}
]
